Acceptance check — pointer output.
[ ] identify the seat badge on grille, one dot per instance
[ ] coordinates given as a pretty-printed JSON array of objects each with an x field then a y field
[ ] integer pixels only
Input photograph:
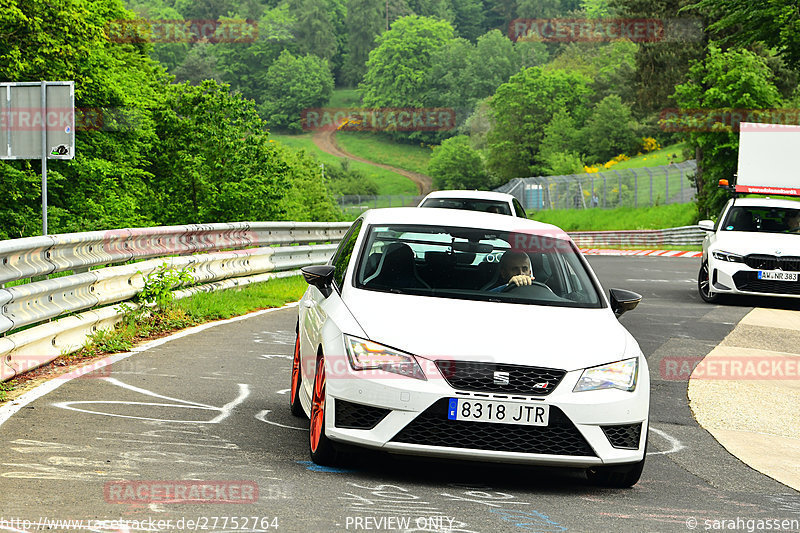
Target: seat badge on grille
[{"x": 501, "y": 378}]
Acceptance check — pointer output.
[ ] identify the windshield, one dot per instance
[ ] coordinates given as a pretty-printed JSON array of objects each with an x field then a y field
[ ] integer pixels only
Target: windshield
[
  {"x": 762, "y": 219},
  {"x": 470, "y": 204},
  {"x": 474, "y": 264}
]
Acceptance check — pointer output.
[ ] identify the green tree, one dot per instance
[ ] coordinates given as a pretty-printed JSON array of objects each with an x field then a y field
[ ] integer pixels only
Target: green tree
[
  {"x": 293, "y": 84},
  {"x": 245, "y": 66},
  {"x": 561, "y": 136},
  {"x": 468, "y": 18},
  {"x": 522, "y": 107},
  {"x": 456, "y": 165},
  {"x": 492, "y": 64},
  {"x": 199, "y": 64},
  {"x": 314, "y": 28},
  {"x": 398, "y": 68},
  {"x": 610, "y": 130},
  {"x": 364, "y": 23},
  {"x": 735, "y": 79},
  {"x": 774, "y": 22}
]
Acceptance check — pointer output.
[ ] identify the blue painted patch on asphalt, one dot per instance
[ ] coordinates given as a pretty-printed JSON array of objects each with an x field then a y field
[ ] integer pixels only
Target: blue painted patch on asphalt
[
  {"x": 310, "y": 465},
  {"x": 530, "y": 520}
]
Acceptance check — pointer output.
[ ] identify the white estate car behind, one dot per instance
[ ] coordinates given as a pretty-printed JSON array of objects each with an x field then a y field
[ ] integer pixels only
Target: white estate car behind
[
  {"x": 409, "y": 341},
  {"x": 486, "y": 201},
  {"x": 754, "y": 248}
]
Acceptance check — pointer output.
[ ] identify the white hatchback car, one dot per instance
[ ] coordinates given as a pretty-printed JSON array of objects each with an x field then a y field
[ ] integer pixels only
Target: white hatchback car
[
  {"x": 410, "y": 341},
  {"x": 486, "y": 201},
  {"x": 754, "y": 248}
]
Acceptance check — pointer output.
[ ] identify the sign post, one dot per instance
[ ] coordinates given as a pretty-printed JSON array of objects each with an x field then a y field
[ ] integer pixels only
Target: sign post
[{"x": 37, "y": 121}]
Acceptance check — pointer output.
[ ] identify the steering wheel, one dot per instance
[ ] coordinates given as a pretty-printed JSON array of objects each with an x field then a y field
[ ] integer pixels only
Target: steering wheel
[{"x": 510, "y": 287}]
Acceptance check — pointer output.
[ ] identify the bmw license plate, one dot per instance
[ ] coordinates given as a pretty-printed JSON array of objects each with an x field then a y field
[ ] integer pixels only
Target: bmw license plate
[
  {"x": 524, "y": 414},
  {"x": 777, "y": 275}
]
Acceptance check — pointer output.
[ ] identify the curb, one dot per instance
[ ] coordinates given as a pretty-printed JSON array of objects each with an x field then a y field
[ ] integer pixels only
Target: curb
[
  {"x": 745, "y": 393},
  {"x": 658, "y": 253}
]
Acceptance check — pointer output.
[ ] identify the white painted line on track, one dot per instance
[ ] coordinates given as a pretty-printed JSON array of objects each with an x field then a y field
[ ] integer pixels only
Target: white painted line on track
[
  {"x": 261, "y": 416},
  {"x": 10, "y": 408},
  {"x": 675, "y": 444}
]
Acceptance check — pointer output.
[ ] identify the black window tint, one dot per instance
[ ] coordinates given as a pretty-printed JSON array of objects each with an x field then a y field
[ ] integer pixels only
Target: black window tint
[
  {"x": 343, "y": 254},
  {"x": 519, "y": 210}
]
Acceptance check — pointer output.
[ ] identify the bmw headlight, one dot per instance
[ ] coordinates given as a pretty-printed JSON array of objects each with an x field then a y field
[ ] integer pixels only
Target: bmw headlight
[
  {"x": 727, "y": 256},
  {"x": 367, "y": 355},
  {"x": 620, "y": 375}
]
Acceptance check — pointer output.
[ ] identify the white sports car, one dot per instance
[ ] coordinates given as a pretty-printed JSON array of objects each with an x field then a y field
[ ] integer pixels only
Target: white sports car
[
  {"x": 485, "y": 201},
  {"x": 753, "y": 249},
  {"x": 415, "y": 339}
]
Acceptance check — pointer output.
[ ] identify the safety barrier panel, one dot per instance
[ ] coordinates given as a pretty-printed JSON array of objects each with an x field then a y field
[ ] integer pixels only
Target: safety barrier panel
[
  {"x": 682, "y": 236},
  {"x": 236, "y": 254}
]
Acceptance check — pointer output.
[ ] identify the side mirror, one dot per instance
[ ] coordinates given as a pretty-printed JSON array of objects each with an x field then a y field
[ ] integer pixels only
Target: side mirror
[
  {"x": 706, "y": 225},
  {"x": 320, "y": 276},
  {"x": 623, "y": 300}
]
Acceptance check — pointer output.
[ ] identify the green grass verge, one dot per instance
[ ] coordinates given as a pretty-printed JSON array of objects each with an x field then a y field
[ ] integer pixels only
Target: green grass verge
[
  {"x": 388, "y": 182},
  {"x": 658, "y": 217},
  {"x": 196, "y": 309},
  {"x": 345, "y": 98},
  {"x": 673, "y": 152},
  {"x": 228, "y": 303},
  {"x": 374, "y": 147}
]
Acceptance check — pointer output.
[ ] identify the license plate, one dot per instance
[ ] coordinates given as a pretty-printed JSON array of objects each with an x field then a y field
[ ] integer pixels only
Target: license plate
[
  {"x": 523, "y": 414},
  {"x": 776, "y": 275}
]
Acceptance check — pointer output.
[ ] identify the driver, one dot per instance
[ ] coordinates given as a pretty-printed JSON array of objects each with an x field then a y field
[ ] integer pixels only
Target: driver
[
  {"x": 515, "y": 269},
  {"x": 793, "y": 222}
]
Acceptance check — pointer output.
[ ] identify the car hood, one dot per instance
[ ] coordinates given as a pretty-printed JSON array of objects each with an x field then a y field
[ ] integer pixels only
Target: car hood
[
  {"x": 532, "y": 335},
  {"x": 743, "y": 243}
]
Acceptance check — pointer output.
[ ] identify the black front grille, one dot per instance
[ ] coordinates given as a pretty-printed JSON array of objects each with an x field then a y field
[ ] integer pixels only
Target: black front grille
[
  {"x": 483, "y": 377},
  {"x": 772, "y": 262},
  {"x": 748, "y": 281},
  {"x": 433, "y": 428},
  {"x": 356, "y": 416},
  {"x": 624, "y": 436}
]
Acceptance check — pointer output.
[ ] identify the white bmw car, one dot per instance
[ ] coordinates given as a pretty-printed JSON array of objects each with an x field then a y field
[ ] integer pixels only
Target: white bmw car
[
  {"x": 414, "y": 339},
  {"x": 753, "y": 249}
]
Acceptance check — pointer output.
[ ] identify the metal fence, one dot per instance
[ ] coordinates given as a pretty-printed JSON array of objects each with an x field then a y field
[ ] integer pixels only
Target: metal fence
[
  {"x": 355, "y": 204},
  {"x": 630, "y": 187},
  {"x": 215, "y": 256}
]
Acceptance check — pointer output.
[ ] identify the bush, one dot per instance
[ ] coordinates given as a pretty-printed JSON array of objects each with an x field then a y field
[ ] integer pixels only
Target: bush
[{"x": 456, "y": 165}]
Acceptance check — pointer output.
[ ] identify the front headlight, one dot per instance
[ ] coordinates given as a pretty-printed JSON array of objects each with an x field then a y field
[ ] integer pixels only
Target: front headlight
[
  {"x": 727, "y": 256},
  {"x": 367, "y": 355},
  {"x": 620, "y": 375}
]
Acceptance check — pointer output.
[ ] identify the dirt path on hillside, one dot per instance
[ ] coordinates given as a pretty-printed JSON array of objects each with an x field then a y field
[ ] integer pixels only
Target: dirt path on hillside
[{"x": 326, "y": 141}]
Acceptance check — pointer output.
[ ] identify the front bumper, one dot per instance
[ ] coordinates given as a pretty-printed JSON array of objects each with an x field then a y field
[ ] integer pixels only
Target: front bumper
[
  {"x": 737, "y": 278},
  {"x": 413, "y": 421}
]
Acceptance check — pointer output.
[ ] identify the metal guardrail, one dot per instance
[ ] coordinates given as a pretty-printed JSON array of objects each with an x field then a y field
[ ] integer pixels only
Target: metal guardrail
[
  {"x": 682, "y": 236},
  {"x": 250, "y": 255},
  {"x": 38, "y": 256}
]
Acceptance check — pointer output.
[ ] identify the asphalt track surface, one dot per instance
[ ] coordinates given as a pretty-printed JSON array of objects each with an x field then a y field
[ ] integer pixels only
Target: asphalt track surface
[{"x": 212, "y": 406}]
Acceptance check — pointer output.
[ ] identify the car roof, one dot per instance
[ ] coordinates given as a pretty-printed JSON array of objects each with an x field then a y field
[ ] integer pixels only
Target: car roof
[
  {"x": 459, "y": 218},
  {"x": 484, "y": 195},
  {"x": 768, "y": 202}
]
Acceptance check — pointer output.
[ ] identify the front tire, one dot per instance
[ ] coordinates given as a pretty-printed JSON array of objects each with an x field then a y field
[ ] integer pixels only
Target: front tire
[
  {"x": 294, "y": 391},
  {"x": 320, "y": 447},
  {"x": 704, "y": 285}
]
